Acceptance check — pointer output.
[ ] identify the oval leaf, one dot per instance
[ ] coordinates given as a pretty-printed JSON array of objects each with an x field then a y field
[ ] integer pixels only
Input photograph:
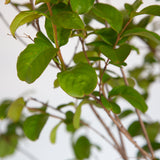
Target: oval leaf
[
  {"x": 77, "y": 115},
  {"x": 68, "y": 20},
  {"x": 33, "y": 125},
  {"x": 151, "y": 10},
  {"x": 15, "y": 109},
  {"x": 34, "y": 59},
  {"x": 4, "y": 108},
  {"x": 76, "y": 81},
  {"x": 110, "y": 14},
  {"x": 53, "y": 133},
  {"x": 131, "y": 95},
  {"x": 81, "y": 6},
  {"x": 22, "y": 18},
  {"x": 143, "y": 33}
]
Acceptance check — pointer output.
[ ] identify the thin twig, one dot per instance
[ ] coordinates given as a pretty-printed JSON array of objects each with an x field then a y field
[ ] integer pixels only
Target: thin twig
[
  {"x": 84, "y": 51},
  {"x": 117, "y": 147},
  {"x": 56, "y": 39}
]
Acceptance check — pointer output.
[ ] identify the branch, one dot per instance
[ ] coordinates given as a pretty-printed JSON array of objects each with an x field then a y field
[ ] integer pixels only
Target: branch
[{"x": 56, "y": 39}]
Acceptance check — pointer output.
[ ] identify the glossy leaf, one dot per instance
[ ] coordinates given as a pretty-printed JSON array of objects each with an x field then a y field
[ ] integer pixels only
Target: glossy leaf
[
  {"x": 81, "y": 6},
  {"x": 4, "y": 108},
  {"x": 8, "y": 145},
  {"x": 115, "y": 108},
  {"x": 151, "y": 10},
  {"x": 110, "y": 14},
  {"x": 131, "y": 95},
  {"x": 23, "y": 18},
  {"x": 33, "y": 126},
  {"x": 82, "y": 148},
  {"x": 108, "y": 35},
  {"x": 34, "y": 59},
  {"x": 77, "y": 116},
  {"x": 15, "y": 109},
  {"x": 141, "y": 32},
  {"x": 54, "y": 132},
  {"x": 105, "y": 102},
  {"x": 76, "y": 82},
  {"x": 117, "y": 56},
  {"x": 62, "y": 33},
  {"x": 68, "y": 20},
  {"x": 80, "y": 57}
]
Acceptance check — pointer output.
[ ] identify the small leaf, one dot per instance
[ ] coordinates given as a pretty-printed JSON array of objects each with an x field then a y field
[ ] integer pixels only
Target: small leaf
[
  {"x": 82, "y": 148},
  {"x": 105, "y": 102},
  {"x": 8, "y": 145},
  {"x": 15, "y": 109},
  {"x": 68, "y": 20},
  {"x": 131, "y": 95},
  {"x": 7, "y": 1},
  {"x": 108, "y": 35},
  {"x": 115, "y": 108},
  {"x": 81, "y": 6},
  {"x": 4, "y": 108},
  {"x": 110, "y": 14},
  {"x": 80, "y": 57},
  {"x": 34, "y": 59},
  {"x": 33, "y": 126},
  {"x": 39, "y": 1},
  {"x": 77, "y": 115},
  {"x": 76, "y": 82},
  {"x": 22, "y": 18},
  {"x": 62, "y": 33},
  {"x": 53, "y": 133},
  {"x": 135, "y": 129},
  {"x": 151, "y": 10},
  {"x": 125, "y": 113},
  {"x": 141, "y": 32}
]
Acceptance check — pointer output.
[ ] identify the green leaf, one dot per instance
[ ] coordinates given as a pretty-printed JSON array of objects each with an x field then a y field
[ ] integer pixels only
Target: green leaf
[
  {"x": 115, "y": 108},
  {"x": 125, "y": 113},
  {"x": 105, "y": 102},
  {"x": 151, "y": 10},
  {"x": 82, "y": 148},
  {"x": 117, "y": 56},
  {"x": 53, "y": 133},
  {"x": 34, "y": 59},
  {"x": 131, "y": 95},
  {"x": 77, "y": 115},
  {"x": 76, "y": 82},
  {"x": 33, "y": 126},
  {"x": 80, "y": 57},
  {"x": 135, "y": 129},
  {"x": 141, "y": 32},
  {"x": 81, "y": 6},
  {"x": 8, "y": 145},
  {"x": 39, "y": 1},
  {"x": 22, "y": 18},
  {"x": 66, "y": 19},
  {"x": 108, "y": 35},
  {"x": 4, "y": 108},
  {"x": 62, "y": 33},
  {"x": 110, "y": 14},
  {"x": 15, "y": 109}
]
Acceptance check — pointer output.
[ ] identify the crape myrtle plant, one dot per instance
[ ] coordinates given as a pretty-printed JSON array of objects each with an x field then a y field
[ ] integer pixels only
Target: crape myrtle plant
[{"x": 88, "y": 77}]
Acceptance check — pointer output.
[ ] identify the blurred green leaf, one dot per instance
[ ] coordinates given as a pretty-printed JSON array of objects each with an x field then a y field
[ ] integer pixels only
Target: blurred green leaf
[
  {"x": 110, "y": 14},
  {"x": 82, "y": 148},
  {"x": 15, "y": 109},
  {"x": 76, "y": 82},
  {"x": 54, "y": 132},
  {"x": 39, "y": 1},
  {"x": 131, "y": 95},
  {"x": 81, "y": 6},
  {"x": 125, "y": 113},
  {"x": 4, "y": 108},
  {"x": 33, "y": 125},
  {"x": 34, "y": 59}
]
